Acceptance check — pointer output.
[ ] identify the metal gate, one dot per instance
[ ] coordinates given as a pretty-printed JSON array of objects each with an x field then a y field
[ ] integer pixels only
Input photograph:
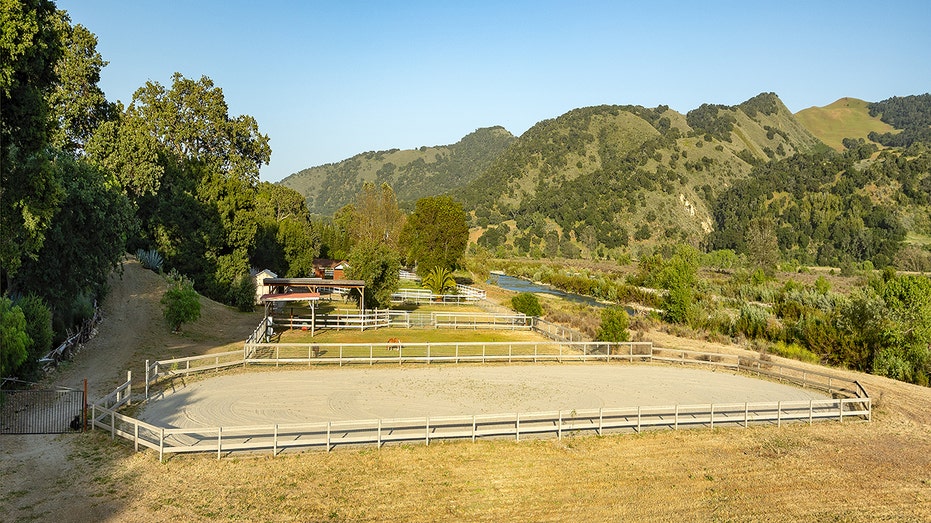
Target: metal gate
[{"x": 42, "y": 411}]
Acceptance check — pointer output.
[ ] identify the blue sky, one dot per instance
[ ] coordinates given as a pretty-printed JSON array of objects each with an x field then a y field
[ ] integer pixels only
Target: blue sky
[{"x": 327, "y": 80}]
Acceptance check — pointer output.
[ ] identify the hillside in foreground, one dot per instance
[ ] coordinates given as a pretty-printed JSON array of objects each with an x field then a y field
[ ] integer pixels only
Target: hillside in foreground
[
  {"x": 845, "y": 118},
  {"x": 851, "y": 472}
]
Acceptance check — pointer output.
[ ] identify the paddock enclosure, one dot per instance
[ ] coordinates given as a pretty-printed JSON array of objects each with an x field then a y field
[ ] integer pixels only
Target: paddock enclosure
[
  {"x": 380, "y": 389},
  {"x": 357, "y": 393}
]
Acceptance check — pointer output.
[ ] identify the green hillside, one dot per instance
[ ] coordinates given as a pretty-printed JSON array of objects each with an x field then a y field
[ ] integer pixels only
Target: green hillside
[
  {"x": 600, "y": 179},
  {"x": 845, "y": 118},
  {"x": 413, "y": 174}
]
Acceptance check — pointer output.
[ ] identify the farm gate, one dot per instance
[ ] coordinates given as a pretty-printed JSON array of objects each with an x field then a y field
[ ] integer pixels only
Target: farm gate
[{"x": 42, "y": 411}]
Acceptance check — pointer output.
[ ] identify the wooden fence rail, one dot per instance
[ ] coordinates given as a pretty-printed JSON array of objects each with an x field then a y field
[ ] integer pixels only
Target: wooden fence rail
[{"x": 328, "y": 435}]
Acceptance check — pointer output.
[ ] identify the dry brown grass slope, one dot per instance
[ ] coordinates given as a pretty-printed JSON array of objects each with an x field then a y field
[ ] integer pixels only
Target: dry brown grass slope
[{"x": 832, "y": 472}]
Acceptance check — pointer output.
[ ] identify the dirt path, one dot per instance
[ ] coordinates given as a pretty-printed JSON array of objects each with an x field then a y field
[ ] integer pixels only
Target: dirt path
[{"x": 45, "y": 477}]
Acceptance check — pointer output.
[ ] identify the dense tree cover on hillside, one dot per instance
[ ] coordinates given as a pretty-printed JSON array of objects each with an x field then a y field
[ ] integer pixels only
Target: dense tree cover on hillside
[
  {"x": 824, "y": 207},
  {"x": 911, "y": 114},
  {"x": 605, "y": 181},
  {"x": 414, "y": 174}
]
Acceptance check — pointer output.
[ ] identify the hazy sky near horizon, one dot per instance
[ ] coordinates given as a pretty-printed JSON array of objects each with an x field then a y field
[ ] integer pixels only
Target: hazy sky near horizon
[{"x": 328, "y": 80}]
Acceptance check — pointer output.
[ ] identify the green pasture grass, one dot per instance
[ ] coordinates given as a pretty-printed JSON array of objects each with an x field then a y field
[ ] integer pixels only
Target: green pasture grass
[
  {"x": 916, "y": 238},
  {"x": 845, "y": 118}
]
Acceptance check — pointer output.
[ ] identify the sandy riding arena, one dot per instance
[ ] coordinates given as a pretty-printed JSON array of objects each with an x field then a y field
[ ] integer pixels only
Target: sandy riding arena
[{"x": 371, "y": 393}]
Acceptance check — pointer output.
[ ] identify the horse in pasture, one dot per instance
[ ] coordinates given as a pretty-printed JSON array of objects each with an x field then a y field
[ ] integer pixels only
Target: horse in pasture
[{"x": 394, "y": 344}]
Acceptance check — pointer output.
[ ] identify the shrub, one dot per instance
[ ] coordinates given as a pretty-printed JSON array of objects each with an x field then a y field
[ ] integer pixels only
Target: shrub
[
  {"x": 13, "y": 337},
  {"x": 151, "y": 259},
  {"x": 39, "y": 328},
  {"x": 752, "y": 321},
  {"x": 614, "y": 323},
  {"x": 527, "y": 303},
  {"x": 795, "y": 352},
  {"x": 181, "y": 303},
  {"x": 242, "y": 293}
]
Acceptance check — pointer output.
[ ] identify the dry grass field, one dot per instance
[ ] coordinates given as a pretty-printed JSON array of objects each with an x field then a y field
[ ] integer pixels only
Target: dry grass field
[{"x": 832, "y": 472}]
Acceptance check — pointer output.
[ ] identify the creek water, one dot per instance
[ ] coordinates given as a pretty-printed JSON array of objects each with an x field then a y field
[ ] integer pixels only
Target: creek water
[{"x": 521, "y": 285}]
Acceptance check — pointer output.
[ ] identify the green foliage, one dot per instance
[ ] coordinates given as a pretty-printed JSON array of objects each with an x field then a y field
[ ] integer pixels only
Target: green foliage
[
  {"x": 715, "y": 120},
  {"x": 752, "y": 321},
  {"x": 242, "y": 293},
  {"x": 721, "y": 260},
  {"x": 440, "y": 281},
  {"x": 614, "y": 324},
  {"x": 815, "y": 207},
  {"x": 378, "y": 266},
  {"x": 911, "y": 114},
  {"x": 29, "y": 49},
  {"x": 795, "y": 352},
  {"x": 436, "y": 234},
  {"x": 180, "y": 303},
  {"x": 85, "y": 242},
  {"x": 527, "y": 303},
  {"x": 376, "y": 216},
  {"x": 288, "y": 240},
  {"x": 14, "y": 338},
  {"x": 77, "y": 104},
  {"x": 39, "y": 329}
]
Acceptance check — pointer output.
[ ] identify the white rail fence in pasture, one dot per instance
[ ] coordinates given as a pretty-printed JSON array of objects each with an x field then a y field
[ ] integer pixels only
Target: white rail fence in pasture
[{"x": 848, "y": 398}]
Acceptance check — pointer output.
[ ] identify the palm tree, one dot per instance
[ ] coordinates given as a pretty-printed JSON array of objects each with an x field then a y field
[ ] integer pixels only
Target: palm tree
[{"x": 440, "y": 281}]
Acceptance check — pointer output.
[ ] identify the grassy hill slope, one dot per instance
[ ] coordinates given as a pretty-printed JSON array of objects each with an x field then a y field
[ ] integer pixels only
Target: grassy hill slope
[
  {"x": 845, "y": 118},
  {"x": 413, "y": 174},
  {"x": 605, "y": 177}
]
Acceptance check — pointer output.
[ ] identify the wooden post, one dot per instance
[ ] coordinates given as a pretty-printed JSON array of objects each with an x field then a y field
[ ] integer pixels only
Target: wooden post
[
  {"x": 275, "y": 441},
  {"x": 378, "y": 442},
  {"x": 328, "y": 425},
  {"x": 712, "y": 416},
  {"x": 84, "y": 409},
  {"x": 746, "y": 415},
  {"x": 161, "y": 444},
  {"x": 473, "y": 428},
  {"x": 428, "y": 431},
  {"x": 811, "y": 410},
  {"x": 129, "y": 387},
  {"x": 676, "y": 426},
  {"x": 219, "y": 441},
  {"x": 778, "y": 413},
  {"x": 559, "y": 427},
  {"x": 136, "y": 435},
  {"x": 638, "y": 420},
  {"x": 517, "y": 426},
  {"x": 600, "y": 420},
  {"x": 146, "y": 379}
]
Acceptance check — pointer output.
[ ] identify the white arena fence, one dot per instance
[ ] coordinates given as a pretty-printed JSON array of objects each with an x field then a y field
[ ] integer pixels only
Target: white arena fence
[
  {"x": 464, "y": 294},
  {"x": 327, "y": 435},
  {"x": 383, "y": 318},
  {"x": 849, "y": 399}
]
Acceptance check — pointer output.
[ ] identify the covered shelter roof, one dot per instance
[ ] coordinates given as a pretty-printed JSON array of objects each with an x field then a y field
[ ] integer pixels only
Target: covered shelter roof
[
  {"x": 314, "y": 283},
  {"x": 290, "y": 296}
]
